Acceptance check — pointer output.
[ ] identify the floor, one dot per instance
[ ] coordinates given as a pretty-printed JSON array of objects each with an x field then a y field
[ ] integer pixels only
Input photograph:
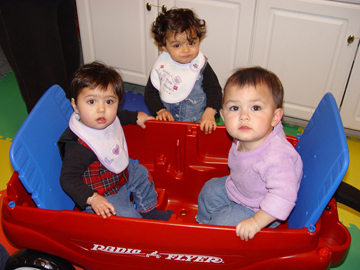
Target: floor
[{"x": 13, "y": 113}]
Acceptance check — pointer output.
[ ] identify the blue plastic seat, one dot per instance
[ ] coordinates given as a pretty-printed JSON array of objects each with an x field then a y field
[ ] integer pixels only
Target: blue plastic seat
[
  {"x": 325, "y": 154},
  {"x": 134, "y": 102},
  {"x": 34, "y": 153}
]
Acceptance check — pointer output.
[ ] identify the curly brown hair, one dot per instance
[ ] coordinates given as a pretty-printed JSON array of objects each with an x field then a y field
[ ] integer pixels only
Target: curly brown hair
[{"x": 177, "y": 21}]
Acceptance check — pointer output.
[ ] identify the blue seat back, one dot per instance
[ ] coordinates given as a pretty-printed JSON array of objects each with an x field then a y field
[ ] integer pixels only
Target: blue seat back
[
  {"x": 325, "y": 155},
  {"x": 34, "y": 153},
  {"x": 134, "y": 102}
]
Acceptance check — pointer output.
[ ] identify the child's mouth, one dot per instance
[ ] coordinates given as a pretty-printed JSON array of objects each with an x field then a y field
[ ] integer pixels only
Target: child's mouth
[{"x": 101, "y": 120}]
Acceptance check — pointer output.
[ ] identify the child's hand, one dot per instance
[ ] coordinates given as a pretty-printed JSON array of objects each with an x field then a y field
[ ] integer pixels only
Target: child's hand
[
  {"x": 164, "y": 115},
  {"x": 247, "y": 229},
  {"x": 142, "y": 118},
  {"x": 100, "y": 205},
  {"x": 207, "y": 121}
]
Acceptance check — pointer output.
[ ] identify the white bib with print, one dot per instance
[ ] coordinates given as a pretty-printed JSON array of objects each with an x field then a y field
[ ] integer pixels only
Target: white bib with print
[
  {"x": 174, "y": 80},
  {"x": 108, "y": 144}
]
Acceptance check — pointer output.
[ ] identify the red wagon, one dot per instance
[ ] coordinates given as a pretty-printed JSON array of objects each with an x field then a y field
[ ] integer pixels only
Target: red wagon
[{"x": 39, "y": 218}]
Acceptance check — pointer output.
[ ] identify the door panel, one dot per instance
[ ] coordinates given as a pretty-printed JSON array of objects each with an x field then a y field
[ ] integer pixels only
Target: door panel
[
  {"x": 305, "y": 44},
  {"x": 117, "y": 32},
  {"x": 350, "y": 109}
]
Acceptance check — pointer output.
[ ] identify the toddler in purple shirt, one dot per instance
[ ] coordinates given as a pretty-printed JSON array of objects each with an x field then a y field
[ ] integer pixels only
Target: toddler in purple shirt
[{"x": 265, "y": 169}]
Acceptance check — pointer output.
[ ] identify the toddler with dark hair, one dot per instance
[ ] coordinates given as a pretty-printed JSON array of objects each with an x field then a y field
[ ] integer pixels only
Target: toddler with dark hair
[
  {"x": 182, "y": 85},
  {"x": 96, "y": 172}
]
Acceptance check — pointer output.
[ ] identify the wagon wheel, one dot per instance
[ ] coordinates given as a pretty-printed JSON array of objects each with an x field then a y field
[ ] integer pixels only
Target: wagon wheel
[{"x": 27, "y": 259}]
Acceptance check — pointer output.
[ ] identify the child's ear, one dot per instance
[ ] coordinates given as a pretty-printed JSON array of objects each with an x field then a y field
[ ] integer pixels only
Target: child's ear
[
  {"x": 222, "y": 115},
  {"x": 73, "y": 104},
  {"x": 164, "y": 48},
  {"x": 278, "y": 114}
]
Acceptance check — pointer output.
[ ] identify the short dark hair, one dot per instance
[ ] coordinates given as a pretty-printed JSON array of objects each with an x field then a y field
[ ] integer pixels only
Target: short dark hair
[
  {"x": 177, "y": 21},
  {"x": 254, "y": 76},
  {"x": 97, "y": 75}
]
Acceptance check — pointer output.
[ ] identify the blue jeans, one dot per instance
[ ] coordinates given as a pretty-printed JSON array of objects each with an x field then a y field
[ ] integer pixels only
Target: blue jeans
[
  {"x": 141, "y": 185},
  {"x": 4, "y": 255},
  {"x": 215, "y": 207},
  {"x": 192, "y": 108}
]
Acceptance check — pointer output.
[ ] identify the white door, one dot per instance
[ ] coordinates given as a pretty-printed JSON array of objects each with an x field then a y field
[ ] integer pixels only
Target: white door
[
  {"x": 229, "y": 28},
  {"x": 305, "y": 43},
  {"x": 117, "y": 32},
  {"x": 350, "y": 108}
]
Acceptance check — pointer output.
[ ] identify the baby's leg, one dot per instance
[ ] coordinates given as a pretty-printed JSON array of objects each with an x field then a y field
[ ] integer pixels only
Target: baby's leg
[
  {"x": 231, "y": 215},
  {"x": 141, "y": 186},
  {"x": 212, "y": 198},
  {"x": 122, "y": 203},
  {"x": 215, "y": 207}
]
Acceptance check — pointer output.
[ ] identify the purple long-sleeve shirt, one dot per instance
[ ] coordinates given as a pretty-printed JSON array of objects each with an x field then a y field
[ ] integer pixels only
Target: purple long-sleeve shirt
[{"x": 267, "y": 177}]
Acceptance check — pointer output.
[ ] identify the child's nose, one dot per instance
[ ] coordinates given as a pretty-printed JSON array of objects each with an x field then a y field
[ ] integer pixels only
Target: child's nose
[
  {"x": 101, "y": 108},
  {"x": 186, "y": 48},
  {"x": 244, "y": 116}
]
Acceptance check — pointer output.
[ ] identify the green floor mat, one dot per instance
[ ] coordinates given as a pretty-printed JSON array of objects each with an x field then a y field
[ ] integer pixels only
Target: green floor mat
[{"x": 12, "y": 107}]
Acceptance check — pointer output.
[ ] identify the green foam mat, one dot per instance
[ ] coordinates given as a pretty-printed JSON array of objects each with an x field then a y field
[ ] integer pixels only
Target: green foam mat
[{"x": 12, "y": 107}]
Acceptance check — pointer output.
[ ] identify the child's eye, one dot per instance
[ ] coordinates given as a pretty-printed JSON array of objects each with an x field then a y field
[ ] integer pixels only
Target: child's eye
[
  {"x": 176, "y": 46},
  {"x": 234, "y": 108},
  {"x": 109, "y": 102},
  {"x": 256, "y": 108},
  {"x": 192, "y": 43},
  {"x": 91, "y": 102}
]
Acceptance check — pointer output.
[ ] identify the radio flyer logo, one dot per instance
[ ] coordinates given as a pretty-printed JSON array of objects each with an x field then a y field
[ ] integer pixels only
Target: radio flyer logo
[{"x": 152, "y": 254}]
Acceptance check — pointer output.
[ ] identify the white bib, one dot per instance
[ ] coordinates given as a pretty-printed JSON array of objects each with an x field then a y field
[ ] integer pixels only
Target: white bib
[
  {"x": 174, "y": 80},
  {"x": 108, "y": 144}
]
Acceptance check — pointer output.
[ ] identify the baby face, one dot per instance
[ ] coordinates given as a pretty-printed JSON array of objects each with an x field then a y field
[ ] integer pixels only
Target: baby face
[
  {"x": 180, "y": 48},
  {"x": 97, "y": 108},
  {"x": 249, "y": 114}
]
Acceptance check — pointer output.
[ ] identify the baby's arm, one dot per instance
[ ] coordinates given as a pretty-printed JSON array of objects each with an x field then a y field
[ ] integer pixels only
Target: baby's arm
[
  {"x": 100, "y": 205},
  {"x": 133, "y": 117},
  {"x": 152, "y": 99},
  {"x": 207, "y": 121},
  {"x": 247, "y": 228},
  {"x": 213, "y": 92},
  {"x": 164, "y": 115},
  {"x": 142, "y": 118}
]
